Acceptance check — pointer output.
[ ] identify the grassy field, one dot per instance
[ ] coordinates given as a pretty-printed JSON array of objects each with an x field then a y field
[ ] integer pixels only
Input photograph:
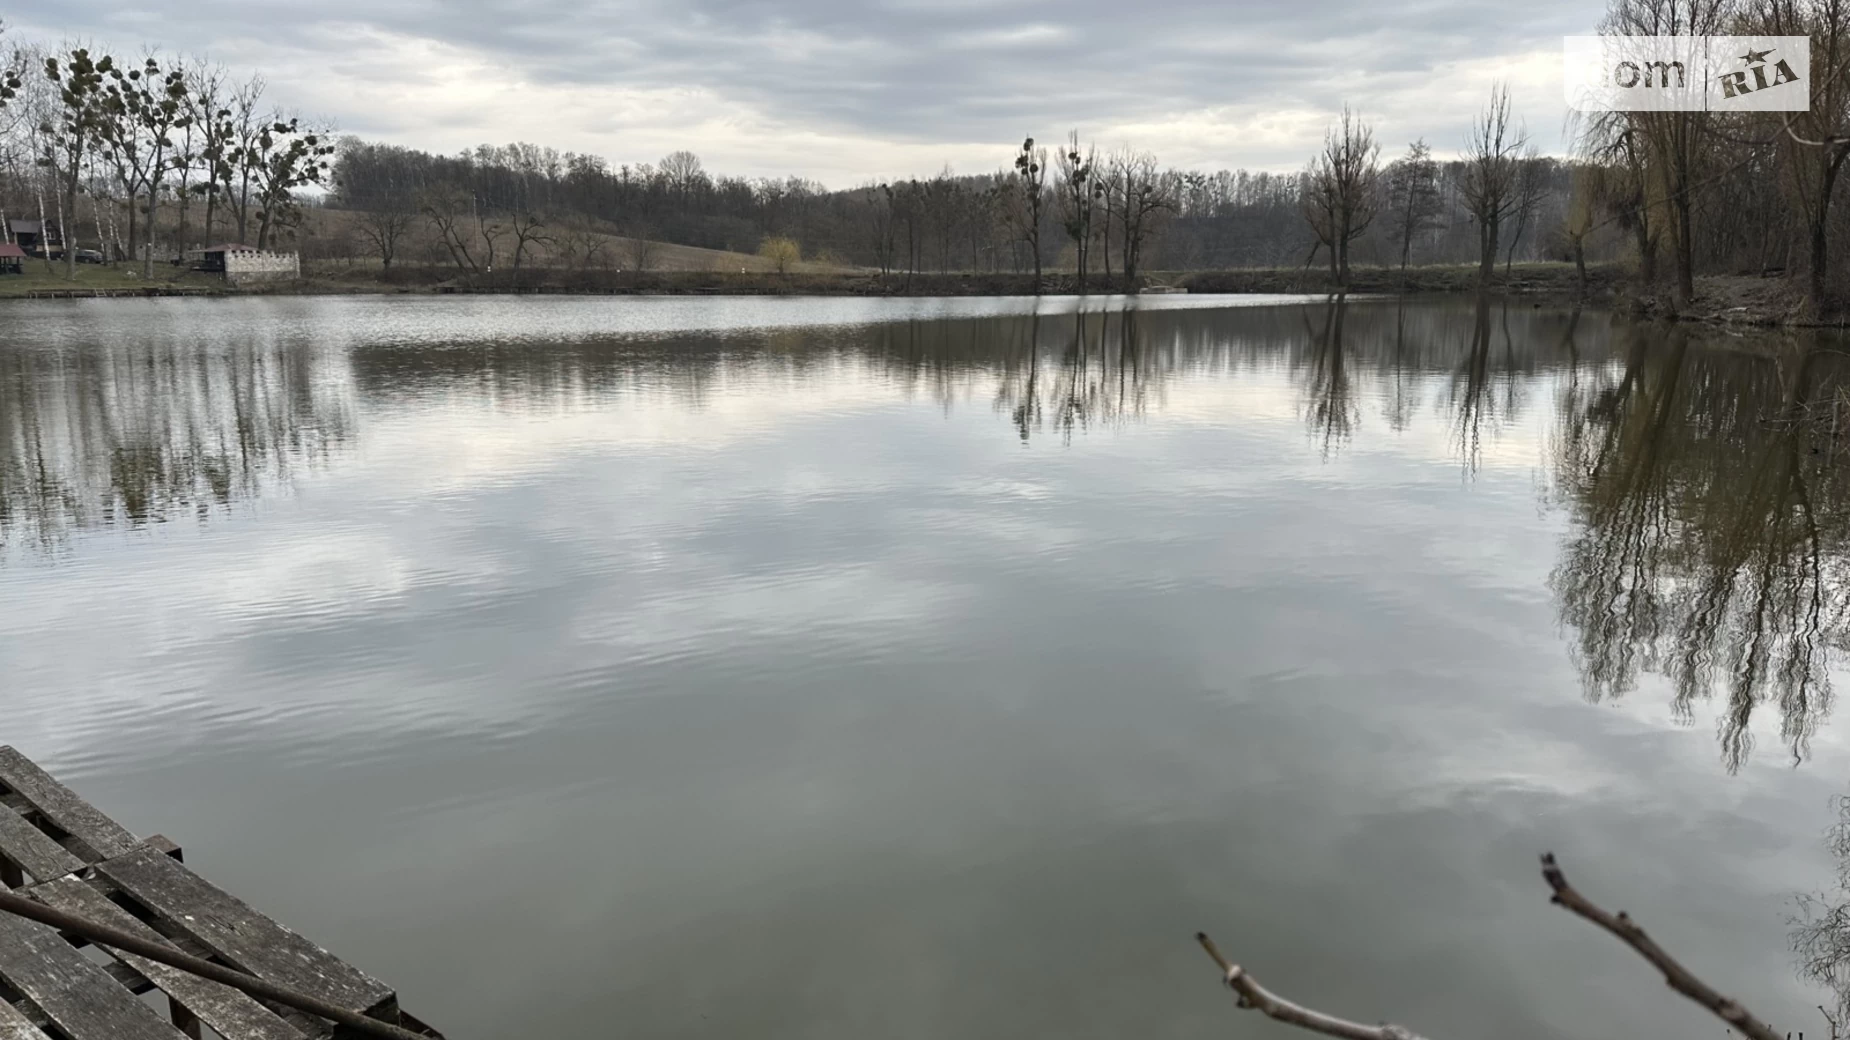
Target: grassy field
[
  {"x": 338, "y": 232},
  {"x": 101, "y": 277}
]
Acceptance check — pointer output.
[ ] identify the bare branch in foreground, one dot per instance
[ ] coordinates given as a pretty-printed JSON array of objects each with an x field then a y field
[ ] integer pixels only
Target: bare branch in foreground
[
  {"x": 1253, "y": 995},
  {"x": 1675, "y": 974}
]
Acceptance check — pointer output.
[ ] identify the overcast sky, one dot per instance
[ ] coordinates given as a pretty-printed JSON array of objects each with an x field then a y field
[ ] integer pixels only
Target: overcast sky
[{"x": 849, "y": 90}]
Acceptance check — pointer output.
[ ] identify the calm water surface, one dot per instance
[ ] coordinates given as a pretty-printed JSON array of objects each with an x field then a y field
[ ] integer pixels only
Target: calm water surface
[{"x": 841, "y": 668}]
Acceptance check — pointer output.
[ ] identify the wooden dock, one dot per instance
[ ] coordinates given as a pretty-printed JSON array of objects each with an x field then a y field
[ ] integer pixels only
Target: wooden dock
[{"x": 60, "y": 851}]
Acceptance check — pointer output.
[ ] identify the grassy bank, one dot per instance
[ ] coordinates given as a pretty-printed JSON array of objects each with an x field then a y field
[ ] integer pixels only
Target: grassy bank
[
  {"x": 345, "y": 278},
  {"x": 104, "y": 278}
]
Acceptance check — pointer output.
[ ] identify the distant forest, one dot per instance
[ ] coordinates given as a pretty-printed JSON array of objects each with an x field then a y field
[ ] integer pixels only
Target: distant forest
[
  {"x": 941, "y": 223},
  {"x": 145, "y": 158}
]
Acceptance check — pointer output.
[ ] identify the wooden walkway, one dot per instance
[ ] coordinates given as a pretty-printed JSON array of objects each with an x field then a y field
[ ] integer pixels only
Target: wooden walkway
[{"x": 59, "y": 850}]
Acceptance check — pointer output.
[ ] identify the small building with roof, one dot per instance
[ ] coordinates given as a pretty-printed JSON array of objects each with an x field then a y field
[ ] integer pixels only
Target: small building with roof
[
  {"x": 12, "y": 259},
  {"x": 35, "y": 236}
]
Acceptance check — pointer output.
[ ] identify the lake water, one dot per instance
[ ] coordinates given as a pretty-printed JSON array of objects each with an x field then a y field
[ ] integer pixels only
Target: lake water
[{"x": 936, "y": 668}]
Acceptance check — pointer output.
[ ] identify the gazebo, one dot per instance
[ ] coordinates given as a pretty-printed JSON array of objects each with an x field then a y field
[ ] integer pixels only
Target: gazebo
[{"x": 12, "y": 259}]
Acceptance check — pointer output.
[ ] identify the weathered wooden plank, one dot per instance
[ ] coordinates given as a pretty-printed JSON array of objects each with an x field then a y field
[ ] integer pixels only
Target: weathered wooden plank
[
  {"x": 74, "y": 994},
  {"x": 15, "y": 1026},
  {"x": 62, "y": 806},
  {"x": 240, "y": 935},
  {"x": 32, "y": 850},
  {"x": 234, "y": 1015}
]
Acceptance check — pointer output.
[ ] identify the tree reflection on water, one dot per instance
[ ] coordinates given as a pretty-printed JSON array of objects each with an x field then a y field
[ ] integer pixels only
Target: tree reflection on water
[
  {"x": 1709, "y": 531},
  {"x": 1706, "y": 537}
]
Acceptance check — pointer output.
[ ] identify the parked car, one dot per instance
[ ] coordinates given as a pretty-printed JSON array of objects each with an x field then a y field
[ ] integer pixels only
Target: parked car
[{"x": 89, "y": 256}]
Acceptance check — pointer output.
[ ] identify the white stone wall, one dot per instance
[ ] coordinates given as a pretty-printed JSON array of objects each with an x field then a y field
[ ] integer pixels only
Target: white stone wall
[{"x": 242, "y": 267}]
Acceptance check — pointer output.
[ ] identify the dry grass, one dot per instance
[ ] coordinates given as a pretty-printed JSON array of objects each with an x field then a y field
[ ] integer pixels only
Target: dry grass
[{"x": 335, "y": 232}]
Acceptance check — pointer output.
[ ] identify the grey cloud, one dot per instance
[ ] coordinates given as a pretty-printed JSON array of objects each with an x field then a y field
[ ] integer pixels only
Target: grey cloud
[{"x": 905, "y": 71}]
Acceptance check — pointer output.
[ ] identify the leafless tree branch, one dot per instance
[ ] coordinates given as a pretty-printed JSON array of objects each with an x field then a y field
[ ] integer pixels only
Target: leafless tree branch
[
  {"x": 1679, "y": 977},
  {"x": 1253, "y": 995}
]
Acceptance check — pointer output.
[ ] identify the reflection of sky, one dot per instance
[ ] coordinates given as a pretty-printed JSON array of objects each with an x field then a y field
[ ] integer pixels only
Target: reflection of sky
[{"x": 817, "y": 709}]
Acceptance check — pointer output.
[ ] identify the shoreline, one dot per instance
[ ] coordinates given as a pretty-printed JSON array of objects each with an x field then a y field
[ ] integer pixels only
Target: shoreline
[
  {"x": 1525, "y": 279},
  {"x": 1723, "y": 300}
]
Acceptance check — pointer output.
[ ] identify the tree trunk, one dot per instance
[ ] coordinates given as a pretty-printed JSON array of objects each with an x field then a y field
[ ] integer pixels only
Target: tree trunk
[
  {"x": 1647, "y": 250},
  {"x": 66, "y": 230},
  {"x": 1487, "y": 251},
  {"x": 1820, "y": 236},
  {"x": 147, "y": 249},
  {"x": 44, "y": 228},
  {"x": 133, "y": 226},
  {"x": 1686, "y": 273},
  {"x": 1104, "y": 242},
  {"x": 184, "y": 200},
  {"x": 1509, "y": 257},
  {"x": 1814, "y": 296}
]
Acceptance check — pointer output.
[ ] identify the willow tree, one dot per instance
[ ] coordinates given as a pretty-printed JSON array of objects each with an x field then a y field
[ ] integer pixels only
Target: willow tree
[
  {"x": 1813, "y": 144},
  {"x": 1674, "y": 142}
]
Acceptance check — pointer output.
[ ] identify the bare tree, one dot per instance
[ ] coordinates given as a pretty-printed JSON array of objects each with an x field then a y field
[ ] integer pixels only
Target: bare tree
[
  {"x": 682, "y": 171},
  {"x": 1078, "y": 190},
  {"x": 1531, "y": 186},
  {"x": 448, "y": 208},
  {"x": 145, "y": 107},
  {"x": 1413, "y": 201},
  {"x": 880, "y": 226},
  {"x": 529, "y": 229},
  {"x": 241, "y": 124},
  {"x": 581, "y": 247},
  {"x": 1492, "y": 158},
  {"x": 1029, "y": 197},
  {"x": 641, "y": 247},
  {"x": 1147, "y": 193},
  {"x": 1344, "y": 195},
  {"x": 384, "y": 228},
  {"x": 203, "y": 85}
]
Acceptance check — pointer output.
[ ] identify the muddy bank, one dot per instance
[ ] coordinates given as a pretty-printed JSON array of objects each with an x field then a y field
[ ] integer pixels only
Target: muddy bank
[{"x": 1744, "y": 300}]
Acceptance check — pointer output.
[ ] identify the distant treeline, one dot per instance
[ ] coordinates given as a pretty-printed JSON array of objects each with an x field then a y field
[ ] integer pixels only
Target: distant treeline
[{"x": 942, "y": 223}]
